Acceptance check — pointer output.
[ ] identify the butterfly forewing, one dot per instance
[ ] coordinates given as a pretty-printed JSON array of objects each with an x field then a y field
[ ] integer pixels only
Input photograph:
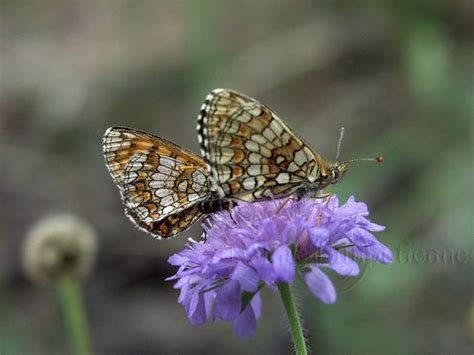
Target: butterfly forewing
[
  {"x": 252, "y": 153},
  {"x": 121, "y": 143},
  {"x": 160, "y": 182}
]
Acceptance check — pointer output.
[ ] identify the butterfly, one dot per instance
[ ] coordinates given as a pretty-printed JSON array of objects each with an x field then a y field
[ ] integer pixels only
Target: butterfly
[
  {"x": 253, "y": 154},
  {"x": 164, "y": 188}
]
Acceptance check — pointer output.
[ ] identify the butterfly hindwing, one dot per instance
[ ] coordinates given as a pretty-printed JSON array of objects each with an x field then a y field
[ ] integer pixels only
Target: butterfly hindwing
[
  {"x": 167, "y": 226},
  {"x": 156, "y": 185}
]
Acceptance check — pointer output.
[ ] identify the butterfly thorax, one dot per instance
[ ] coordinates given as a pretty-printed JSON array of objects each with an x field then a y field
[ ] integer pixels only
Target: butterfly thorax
[{"x": 327, "y": 174}]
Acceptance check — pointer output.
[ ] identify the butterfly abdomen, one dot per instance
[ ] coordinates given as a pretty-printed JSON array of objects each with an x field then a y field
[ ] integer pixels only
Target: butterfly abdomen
[{"x": 215, "y": 205}]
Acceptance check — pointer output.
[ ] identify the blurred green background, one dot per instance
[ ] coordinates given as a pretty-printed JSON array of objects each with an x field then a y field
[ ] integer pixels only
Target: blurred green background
[{"x": 398, "y": 75}]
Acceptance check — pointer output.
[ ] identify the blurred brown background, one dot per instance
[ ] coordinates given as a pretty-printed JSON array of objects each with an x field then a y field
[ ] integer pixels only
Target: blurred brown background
[{"x": 398, "y": 75}]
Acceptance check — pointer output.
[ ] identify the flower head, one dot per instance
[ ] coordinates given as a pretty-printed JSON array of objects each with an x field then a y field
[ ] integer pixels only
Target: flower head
[
  {"x": 265, "y": 243},
  {"x": 59, "y": 245}
]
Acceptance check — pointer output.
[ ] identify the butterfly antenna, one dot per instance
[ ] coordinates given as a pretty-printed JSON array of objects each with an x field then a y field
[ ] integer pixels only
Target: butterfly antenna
[
  {"x": 379, "y": 159},
  {"x": 341, "y": 135}
]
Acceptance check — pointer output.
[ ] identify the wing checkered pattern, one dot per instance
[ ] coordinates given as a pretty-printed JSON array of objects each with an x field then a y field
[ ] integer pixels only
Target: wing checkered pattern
[
  {"x": 251, "y": 152},
  {"x": 161, "y": 184}
]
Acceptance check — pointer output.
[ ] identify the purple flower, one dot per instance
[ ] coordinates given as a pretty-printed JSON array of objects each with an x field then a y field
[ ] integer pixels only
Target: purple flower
[{"x": 261, "y": 244}]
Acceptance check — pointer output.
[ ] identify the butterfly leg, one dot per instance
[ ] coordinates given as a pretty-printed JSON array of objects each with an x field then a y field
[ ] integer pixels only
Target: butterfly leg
[
  {"x": 205, "y": 221},
  {"x": 327, "y": 198},
  {"x": 288, "y": 199},
  {"x": 231, "y": 217},
  {"x": 229, "y": 204},
  {"x": 323, "y": 196}
]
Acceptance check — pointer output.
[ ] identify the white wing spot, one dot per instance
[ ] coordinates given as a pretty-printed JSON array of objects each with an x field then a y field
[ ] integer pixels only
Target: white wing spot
[
  {"x": 276, "y": 127},
  {"x": 283, "y": 178},
  {"x": 160, "y": 184},
  {"x": 183, "y": 186},
  {"x": 300, "y": 157},
  {"x": 279, "y": 159},
  {"x": 199, "y": 177},
  {"x": 130, "y": 177},
  {"x": 164, "y": 170},
  {"x": 163, "y": 193},
  {"x": 252, "y": 146},
  {"x": 256, "y": 110},
  {"x": 168, "y": 210},
  {"x": 193, "y": 197},
  {"x": 254, "y": 170},
  {"x": 292, "y": 167},
  {"x": 267, "y": 132},
  {"x": 254, "y": 158},
  {"x": 168, "y": 200},
  {"x": 258, "y": 138},
  {"x": 249, "y": 183},
  {"x": 244, "y": 117}
]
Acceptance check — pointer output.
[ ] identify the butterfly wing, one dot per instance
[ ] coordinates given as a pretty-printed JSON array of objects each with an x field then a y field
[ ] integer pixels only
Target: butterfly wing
[
  {"x": 160, "y": 182},
  {"x": 167, "y": 226},
  {"x": 252, "y": 153},
  {"x": 121, "y": 143}
]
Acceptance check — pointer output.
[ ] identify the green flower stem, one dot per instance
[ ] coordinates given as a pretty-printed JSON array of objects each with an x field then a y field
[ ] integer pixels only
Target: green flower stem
[
  {"x": 69, "y": 291},
  {"x": 293, "y": 318}
]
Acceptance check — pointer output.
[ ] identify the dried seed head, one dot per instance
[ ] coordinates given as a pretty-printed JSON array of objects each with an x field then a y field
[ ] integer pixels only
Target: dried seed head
[{"x": 59, "y": 245}]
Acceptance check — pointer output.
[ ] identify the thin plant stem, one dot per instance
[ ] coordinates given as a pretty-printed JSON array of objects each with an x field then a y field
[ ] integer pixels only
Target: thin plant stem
[
  {"x": 293, "y": 318},
  {"x": 69, "y": 290}
]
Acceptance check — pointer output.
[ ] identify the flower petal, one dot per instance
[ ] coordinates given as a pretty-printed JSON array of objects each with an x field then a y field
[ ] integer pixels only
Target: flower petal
[
  {"x": 245, "y": 324},
  {"x": 256, "y": 304},
  {"x": 228, "y": 253},
  {"x": 374, "y": 227},
  {"x": 361, "y": 237},
  {"x": 197, "y": 309},
  {"x": 246, "y": 276},
  {"x": 228, "y": 301},
  {"x": 177, "y": 259},
  {"x": 377, "y": 252},
  {"x": 209, "y": 299},
  {"x": 351, "y": 208},
  {"x": 264, "y": 269},
  {"x": 368, "y": 247},
  {"x": 341, "y": 264},
  {"x": 320, "y": 285},
  {"x": 319, "y": 236},
  {"x": 283, "y": 264}
]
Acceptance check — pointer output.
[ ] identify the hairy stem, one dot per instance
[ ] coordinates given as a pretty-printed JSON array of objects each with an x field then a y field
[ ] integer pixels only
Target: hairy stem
[{"x": 293, "y": 318}]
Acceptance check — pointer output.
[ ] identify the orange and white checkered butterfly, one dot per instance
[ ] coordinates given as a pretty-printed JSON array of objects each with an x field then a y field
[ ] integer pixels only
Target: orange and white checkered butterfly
[
  {"x": 164, "y": 188},
  {"x": 254, "y": 155}
]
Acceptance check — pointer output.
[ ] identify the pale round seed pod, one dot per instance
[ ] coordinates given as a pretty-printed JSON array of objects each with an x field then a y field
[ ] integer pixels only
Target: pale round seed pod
[{"x": 60, "y": 245}]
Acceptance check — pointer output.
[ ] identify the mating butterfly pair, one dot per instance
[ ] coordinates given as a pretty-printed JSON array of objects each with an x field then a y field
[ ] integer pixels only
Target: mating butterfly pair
[{"x": 249, "y": 154}]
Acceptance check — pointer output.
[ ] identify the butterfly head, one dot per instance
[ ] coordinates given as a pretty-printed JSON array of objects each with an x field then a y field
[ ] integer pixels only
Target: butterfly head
[
  {"x": 331, "y": 174},
  {"x": 337, "y": 170}
]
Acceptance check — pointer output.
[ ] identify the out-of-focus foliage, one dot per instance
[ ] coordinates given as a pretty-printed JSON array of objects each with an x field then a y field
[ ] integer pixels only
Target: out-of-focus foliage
[{"x": 398, "y": 75}]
